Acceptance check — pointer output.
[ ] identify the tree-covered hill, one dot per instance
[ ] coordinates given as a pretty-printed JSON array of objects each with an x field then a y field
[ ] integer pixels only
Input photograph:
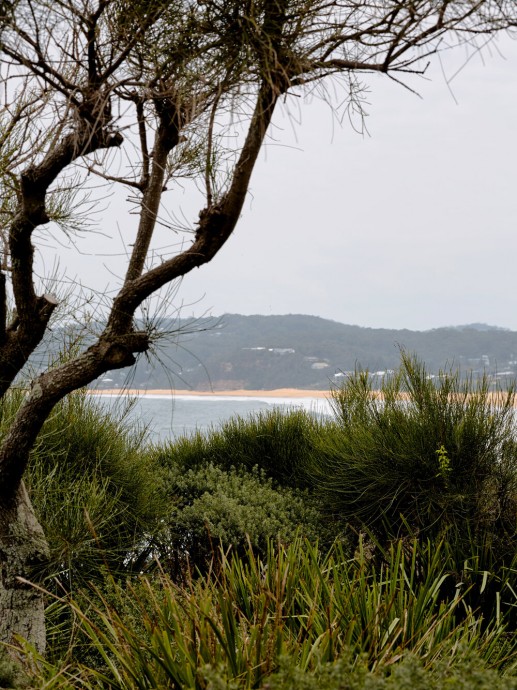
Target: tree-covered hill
[{"x": 266, "y": 352}]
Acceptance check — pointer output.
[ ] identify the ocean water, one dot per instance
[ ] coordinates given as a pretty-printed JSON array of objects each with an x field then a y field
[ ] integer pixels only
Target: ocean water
[{"x": 168, "y": 416}]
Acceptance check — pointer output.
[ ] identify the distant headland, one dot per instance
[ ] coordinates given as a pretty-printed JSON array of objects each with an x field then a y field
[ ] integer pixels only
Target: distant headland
[{"x": 259, "y": 355}]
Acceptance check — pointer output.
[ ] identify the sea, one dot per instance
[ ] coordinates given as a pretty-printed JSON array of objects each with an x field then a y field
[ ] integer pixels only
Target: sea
[{"x": 166, "y": 417}]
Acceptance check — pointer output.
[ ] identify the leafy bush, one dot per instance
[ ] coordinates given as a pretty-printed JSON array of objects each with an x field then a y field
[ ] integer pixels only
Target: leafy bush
[
  {"x": 410, "y": 674},
  {"x": 214, "y": 507},
  {"x": 243, "y": 482}
]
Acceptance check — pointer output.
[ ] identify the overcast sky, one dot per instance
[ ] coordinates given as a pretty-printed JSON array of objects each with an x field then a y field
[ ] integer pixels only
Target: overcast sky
[{"x": 411, "y": 226}]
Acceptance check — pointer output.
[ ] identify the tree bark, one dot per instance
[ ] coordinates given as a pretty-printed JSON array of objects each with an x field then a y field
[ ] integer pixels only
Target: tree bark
[{"x": 22, "y": 548}]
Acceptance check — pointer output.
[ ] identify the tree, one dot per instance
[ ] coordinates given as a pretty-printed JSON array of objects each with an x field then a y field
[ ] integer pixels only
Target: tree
[{"x": 142, "y": 94}]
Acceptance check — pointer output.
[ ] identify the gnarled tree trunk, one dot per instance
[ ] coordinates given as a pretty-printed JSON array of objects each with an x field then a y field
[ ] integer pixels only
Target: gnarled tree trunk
[{"x": 22, "y": 548}]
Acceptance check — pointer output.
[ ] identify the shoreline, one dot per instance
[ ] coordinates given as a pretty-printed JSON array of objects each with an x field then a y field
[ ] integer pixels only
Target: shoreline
[
  {"x": 494, "y": 398},
  {"x": 240, "y": 393}
]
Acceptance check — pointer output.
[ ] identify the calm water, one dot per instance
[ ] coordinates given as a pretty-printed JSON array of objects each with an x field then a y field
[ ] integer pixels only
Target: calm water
[{"x": 171, "y": 416}]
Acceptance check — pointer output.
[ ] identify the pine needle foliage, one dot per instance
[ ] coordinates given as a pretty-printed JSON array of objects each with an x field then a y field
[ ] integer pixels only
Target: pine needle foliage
[
  {"x": 94, "y": 487},
  {"x": 422, "y": 456},
  {"x": 278, "y": 443}
]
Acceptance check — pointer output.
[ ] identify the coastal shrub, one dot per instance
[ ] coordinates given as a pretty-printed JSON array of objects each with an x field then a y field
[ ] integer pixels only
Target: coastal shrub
[
  {"x": 279, "y": 443},
  {"x": 425, "y": 456},
  {"x": 95, "y": 491},
  {"x": 213, "y": 508},
  {"x": 410, "y": 674}
]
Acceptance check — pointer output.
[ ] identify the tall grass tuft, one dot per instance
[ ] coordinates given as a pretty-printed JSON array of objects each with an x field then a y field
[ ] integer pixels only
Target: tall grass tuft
[{"x": 95, "y": 490}]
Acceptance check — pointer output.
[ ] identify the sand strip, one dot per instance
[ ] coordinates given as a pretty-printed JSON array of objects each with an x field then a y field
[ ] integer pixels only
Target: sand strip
[{"x": 277, "y": 393}]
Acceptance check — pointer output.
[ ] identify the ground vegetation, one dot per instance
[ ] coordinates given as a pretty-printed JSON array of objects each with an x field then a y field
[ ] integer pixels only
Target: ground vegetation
[{"x": 380, "y": 555}]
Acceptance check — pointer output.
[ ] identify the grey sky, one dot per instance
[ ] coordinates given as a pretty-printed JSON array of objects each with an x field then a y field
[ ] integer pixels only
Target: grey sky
[{"x": 413, "y": 226}]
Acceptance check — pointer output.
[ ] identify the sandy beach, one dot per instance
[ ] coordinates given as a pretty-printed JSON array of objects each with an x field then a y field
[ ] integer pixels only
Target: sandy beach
[
  {"x": 276, "y": 393},
  {"x": 494, "y": 398}
]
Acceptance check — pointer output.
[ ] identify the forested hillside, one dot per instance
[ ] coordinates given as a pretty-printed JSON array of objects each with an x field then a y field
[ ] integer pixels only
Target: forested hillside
[{"x": 266, "y": 352}]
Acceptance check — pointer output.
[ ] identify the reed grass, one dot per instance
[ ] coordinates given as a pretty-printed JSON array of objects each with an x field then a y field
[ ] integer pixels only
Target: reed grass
[{"x": 294, "y": 608}]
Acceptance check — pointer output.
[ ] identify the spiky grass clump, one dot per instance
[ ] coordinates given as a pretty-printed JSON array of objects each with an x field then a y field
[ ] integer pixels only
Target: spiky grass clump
[
  {"x": 94, "y": 488},
  {"x": 294, "y": 614}
]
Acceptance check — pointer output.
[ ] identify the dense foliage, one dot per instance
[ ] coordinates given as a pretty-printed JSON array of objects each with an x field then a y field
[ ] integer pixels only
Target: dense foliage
[
  {"x": 281, "y": 445},
  {"x": 296, "y": 613},
  {"x": 421, "y": 456},
  {"x": 372, "y": 550}
]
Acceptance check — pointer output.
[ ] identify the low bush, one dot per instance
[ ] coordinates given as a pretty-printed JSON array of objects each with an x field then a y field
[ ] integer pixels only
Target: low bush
[
  {"x": 278, "y": 443},
  {"x": 410, "y": 674},
  {"x": 212, "y": 507}
]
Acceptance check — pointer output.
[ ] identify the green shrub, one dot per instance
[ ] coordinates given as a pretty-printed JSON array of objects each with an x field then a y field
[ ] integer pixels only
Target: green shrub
[
  {"x": 427, "y": 457},
  {"x": 278, "y": 443},
  {"x": 410, "y": 674},
  {"x": 212, "y": 507},
  {"x": 242, "y": 482},
  {"x": 94, "y": 488}
]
